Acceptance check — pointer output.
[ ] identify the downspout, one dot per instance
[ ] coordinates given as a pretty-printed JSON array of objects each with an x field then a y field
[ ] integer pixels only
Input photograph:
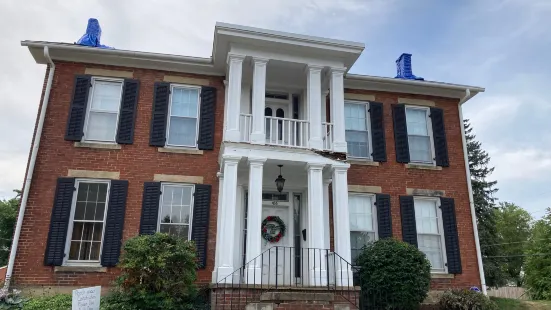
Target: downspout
[
  {"x": 470, "y": 188},
  {"x": 30, "y": 168}
]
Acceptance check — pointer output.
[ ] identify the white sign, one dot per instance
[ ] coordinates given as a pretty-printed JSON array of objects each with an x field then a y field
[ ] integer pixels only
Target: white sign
[{"x": 86, "y": 298}]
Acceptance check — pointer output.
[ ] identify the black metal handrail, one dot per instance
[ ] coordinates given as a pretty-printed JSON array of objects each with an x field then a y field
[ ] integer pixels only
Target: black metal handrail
[{"x": 286, "y": 268}]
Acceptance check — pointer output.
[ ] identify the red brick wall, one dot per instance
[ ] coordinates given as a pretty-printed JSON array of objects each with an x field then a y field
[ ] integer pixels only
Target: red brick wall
[
  {"x": 394, "y": 178},
  {"x": 136, "y": 163}
]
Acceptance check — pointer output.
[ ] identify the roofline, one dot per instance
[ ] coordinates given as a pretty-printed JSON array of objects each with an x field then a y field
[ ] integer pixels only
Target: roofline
[
  {"x": 288, "y": 35},
  {"x": 117, "y": 52},
  {"x": 381, "y": 79}
]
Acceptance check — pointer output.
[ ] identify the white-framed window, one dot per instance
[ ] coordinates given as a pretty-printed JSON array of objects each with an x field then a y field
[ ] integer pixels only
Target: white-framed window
[
  {"x": 430, "y": 232},
  {"x": 176, "y": 209},
  {"x": 419, "y": 126},
  {"x": 363, "y": 222},
  {"x": 87, "y": 222},
  {"x": 357, "y": 129},
  {"x": 102, "y": 113},
  {"x": 183, "y": 116}
]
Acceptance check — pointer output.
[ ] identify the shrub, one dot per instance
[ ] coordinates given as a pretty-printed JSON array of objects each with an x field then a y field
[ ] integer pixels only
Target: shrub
[
  {"x": 11, "y": 300},
  {"x": 466, "y": 300},
  {"x": 52, "y": 302},
  {"x": 393, "y": 275},
  {"x": 157, "y": 272}
]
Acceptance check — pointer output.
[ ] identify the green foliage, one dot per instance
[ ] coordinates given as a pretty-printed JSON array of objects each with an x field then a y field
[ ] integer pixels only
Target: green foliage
[
  {"x": 8, "y": 217},
  {"x": 538, "y": 261},
  {"x": 393, "y": 275},
  {"x": 157, "y": 272},
  {"x": 11, "y": 300},
  {"x": 484, "y": 203},
  {"x": 49, "y": 302},
  {"x": 513, "y": 226},
  {"x": 465, "y": 300},
  {"x": 510, "y": 304}
]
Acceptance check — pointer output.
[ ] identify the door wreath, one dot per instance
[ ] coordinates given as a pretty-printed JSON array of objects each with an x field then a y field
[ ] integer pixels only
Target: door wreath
[{"x": 270, "y": 226}]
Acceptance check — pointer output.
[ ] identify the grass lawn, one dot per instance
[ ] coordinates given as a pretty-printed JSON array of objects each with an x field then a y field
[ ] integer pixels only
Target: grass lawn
[{"x": 513, "y": 304}]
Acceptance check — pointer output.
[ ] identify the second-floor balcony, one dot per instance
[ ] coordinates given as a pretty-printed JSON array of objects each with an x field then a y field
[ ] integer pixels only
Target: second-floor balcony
[{"x": 285, "y": 132}]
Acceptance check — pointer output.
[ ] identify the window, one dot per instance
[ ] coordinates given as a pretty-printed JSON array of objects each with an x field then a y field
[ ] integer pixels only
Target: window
[
  {"x": 356, "y": 126},
  {"x": 430, "y": 237},
  {"x": 419, "y": 135},
  {"x": 176, "y": 209},
  {"x": 103, "y": 110},
  {"x": 183, "y": 116},
  {"x": 87, "y": 221},
  {"x": 363, "y": 226}
]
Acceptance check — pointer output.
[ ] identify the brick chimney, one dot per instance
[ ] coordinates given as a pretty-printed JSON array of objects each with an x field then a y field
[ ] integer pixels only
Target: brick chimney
[{"x": 403, "y": 68}]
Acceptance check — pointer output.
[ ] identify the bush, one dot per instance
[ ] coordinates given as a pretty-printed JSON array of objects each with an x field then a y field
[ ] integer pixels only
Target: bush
[
  {"x": 11, "y": 300},
  {"x": 466, "y": 300},
  {"x": 393, "y": 275},
  {"x": 157, "y": 272},
  {"x": 52, "y": 302}
]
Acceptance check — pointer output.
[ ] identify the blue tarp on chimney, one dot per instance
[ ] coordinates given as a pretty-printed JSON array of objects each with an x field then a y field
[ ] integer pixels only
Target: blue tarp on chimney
[
  {"x": 403, "y": 68},
  {"x": 93, "y": 35}
]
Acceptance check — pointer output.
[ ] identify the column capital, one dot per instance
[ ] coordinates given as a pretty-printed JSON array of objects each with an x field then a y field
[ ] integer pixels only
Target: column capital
[
  {"x": 235, "y": 58},
  {"x": 314, "y": 166},
  {"x": 220, "y": 175},
  {"x": 313, "y": 68},
  {"x": 231, "y": 158},
  {"x": 260, "y": 60},
  {"x": 256, "y": 161},
  {"x": 327, "y": 181},
  {"x": 340, "y": 167},
  {"x": 337, "y": 70}
]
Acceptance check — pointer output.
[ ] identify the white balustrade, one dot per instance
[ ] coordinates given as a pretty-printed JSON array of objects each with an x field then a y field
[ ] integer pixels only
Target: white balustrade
[
  {"x": 286, "y": 131},
  {"x": 245, "y": 126},
  {"x": 327, "y": 138}
]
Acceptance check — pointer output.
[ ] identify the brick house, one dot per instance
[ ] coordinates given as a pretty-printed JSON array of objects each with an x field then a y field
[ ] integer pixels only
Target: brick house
[{"x": 130, "y": 143}]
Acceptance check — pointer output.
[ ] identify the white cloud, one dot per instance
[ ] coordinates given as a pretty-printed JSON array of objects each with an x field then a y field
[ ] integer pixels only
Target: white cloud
[{"x": 520, "y": 164}]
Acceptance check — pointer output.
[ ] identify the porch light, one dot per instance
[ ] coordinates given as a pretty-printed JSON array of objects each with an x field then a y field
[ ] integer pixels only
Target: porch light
[{"x": 280, "y": 181}]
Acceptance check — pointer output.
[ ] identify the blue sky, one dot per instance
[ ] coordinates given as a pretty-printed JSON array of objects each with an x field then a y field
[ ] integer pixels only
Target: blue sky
[{"x": 504, "y": 46}]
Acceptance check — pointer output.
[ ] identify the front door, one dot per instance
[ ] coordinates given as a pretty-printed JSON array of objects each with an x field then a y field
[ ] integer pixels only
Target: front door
[{"x": 277, "y": 258}]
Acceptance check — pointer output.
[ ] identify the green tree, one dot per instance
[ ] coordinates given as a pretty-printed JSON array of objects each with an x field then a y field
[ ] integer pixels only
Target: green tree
[
  {"x": 8, "y": 217},
  {"x": 484, "y": 203},
  {"x": 513, "y": 227},
  {"x": 538, "y": 259}
]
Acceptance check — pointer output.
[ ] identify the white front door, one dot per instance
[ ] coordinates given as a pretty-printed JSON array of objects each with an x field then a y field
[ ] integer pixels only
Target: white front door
[{"x": 277, "y": 257}]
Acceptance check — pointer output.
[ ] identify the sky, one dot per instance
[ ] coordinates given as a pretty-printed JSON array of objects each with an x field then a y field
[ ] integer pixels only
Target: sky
[{"x": 502, "y": 45}]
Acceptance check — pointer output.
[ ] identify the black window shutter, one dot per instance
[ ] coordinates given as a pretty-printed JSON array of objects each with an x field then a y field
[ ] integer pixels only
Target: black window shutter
[
  {"x": 409, "y": 228},
  {"x": 377, "y": 131},
  {"x": 200, "y": 224},
  {"x": 439, "y": 136},
  {"x": 384, "y": 217},
  {"x": 77, "y": 111},
  {"x": 206, "y": 118},
  {"x": 450, "y": 235},
  {"x": 161, "y": 94},
  {"x": 400, "y": 133},
  {"x": 112, "y": 236},
  {"x": 127, "y": 117},
  {"x": 61, "y": 211},
  {"x": 150, "y": 207}
]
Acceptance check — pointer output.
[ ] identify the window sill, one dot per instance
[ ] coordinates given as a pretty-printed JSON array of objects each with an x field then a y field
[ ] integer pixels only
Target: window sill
[
  {"x": 179, "y": 150},
  {"x": 102, "y": 146},
  {"x": 442, "y": 276},
  {"x": 363, "y": 162},
  {"x": 80, "y": 269},
  {"x": 422, "y": 167}
]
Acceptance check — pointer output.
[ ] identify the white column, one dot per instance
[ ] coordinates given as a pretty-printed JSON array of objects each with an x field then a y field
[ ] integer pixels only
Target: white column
[
  {"x": 258, "y": 135},
  {"x": 337, "y": 109},
  {"x": 235, "y": 72},
  {"x": 314, "y": 232},
  {"x": 254, "y": 220},
  {"x": 341, "y": 224},
  {"x": 227, "y": 243},
  {"x": 219, "y": 218},
  {"x": 313, "y": 91},
  {"x": 326, "y": 229}
]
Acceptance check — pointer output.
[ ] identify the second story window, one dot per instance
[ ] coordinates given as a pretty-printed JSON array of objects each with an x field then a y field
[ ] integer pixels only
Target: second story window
[
  {"x": 419, "y": 135},
  {"x": 103, "y": 110},
  {"x": 357, "y": 129},
  {"x": 183, "y": 116}
]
